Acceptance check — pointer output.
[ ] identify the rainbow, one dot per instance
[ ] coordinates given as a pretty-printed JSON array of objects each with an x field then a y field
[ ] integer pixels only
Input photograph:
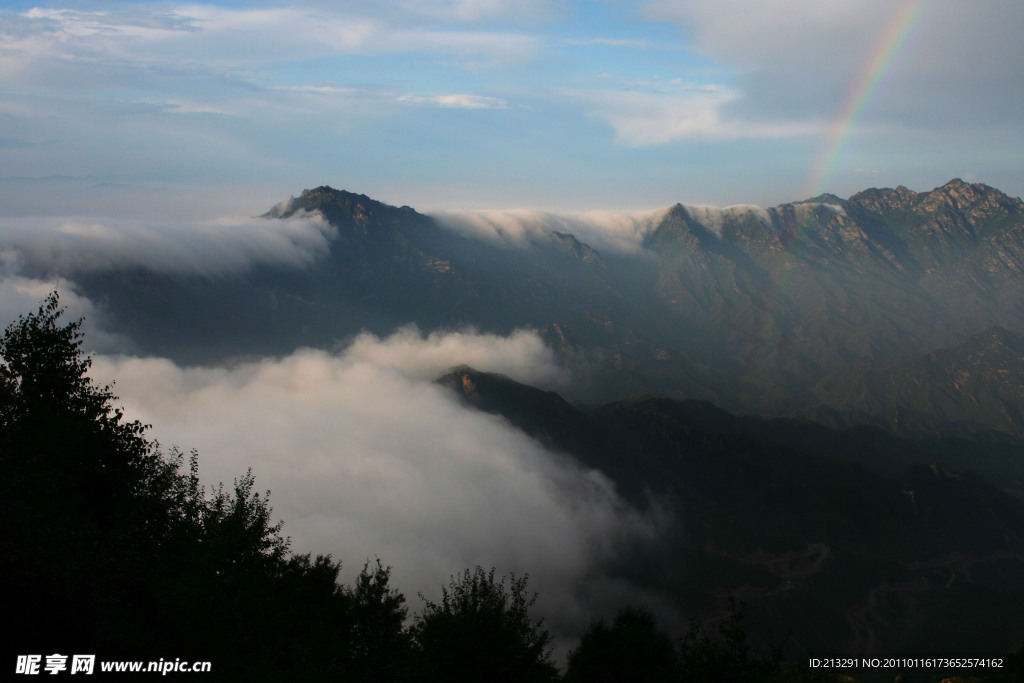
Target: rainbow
[
  {"x": 861, "y": 93},
  {"x": 855, "y": 103}
]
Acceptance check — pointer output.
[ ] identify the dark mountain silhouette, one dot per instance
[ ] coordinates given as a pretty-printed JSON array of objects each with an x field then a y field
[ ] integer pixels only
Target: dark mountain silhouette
[{"x": 848, "y": 559}]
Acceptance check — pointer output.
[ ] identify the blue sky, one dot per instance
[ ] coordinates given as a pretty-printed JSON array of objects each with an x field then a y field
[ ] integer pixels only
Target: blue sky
[{"x": 121, "y": 108}]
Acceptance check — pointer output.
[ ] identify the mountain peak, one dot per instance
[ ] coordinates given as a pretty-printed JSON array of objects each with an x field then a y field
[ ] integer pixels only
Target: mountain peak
[
  {"x": 958, "y": 189},
  {"x": 329, "y": 194},
  {"x": 572, "y": 247},
  {"x": 975, "y": 201},
  {"x": 824, "y": 198},
  {"x": 348, "y": 211},
  {"x": 881, "y": 200},
  {"x": 324, "y": 195}
]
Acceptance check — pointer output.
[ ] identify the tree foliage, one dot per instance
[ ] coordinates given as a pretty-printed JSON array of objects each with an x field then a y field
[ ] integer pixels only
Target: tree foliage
[
  {"x": 381, "y": 645},
  {"x": 482, "y": 630},
  {"x": 43, "y": 368},
  {"x": 726, "y": 654},
  {"x": 83, "y": 495},
  {"x": 115, "y": 547},
  {"x": 631, "y": 648}
]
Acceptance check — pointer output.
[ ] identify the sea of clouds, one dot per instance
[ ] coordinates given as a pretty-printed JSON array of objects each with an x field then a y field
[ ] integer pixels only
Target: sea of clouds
[{"x": 365, "y": 455}]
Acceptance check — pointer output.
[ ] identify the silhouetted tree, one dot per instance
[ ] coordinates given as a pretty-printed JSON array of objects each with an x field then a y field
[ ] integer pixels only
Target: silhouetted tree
[
  {"x": 82, "y": 494},
  {"x": 110, "y": 546},
  {"x": 482, "y": 631},
  {"x": 381, "y": 646},
  {"x": 631, "y": 648},
  {"x": 727, "y": 655}
]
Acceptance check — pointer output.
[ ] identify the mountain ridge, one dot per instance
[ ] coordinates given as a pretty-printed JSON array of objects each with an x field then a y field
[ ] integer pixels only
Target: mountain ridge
[{"x": 749, "y": 308}]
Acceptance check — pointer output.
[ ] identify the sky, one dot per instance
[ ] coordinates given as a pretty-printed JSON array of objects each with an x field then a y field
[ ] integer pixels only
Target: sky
[{"x": 198, "y": 110}]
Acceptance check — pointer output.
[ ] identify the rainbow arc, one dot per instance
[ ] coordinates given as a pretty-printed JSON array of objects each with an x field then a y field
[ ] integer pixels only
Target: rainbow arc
[{"x": 862, "y": 91}]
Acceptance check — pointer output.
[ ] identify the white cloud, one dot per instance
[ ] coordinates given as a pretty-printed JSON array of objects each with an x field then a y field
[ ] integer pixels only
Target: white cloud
[
  {"x": 456, "y": 101},
  {"x": 714, "y": 218},
  {"x": 609, "y": 232},
  {"x": 197, "y": 38},
  {"x": 366, "y": 460},
  {"x": 798, "y": 59},
  {"x": 649, "y": 118},
  {"x": 522, "y": 354},
  {"x": 770, "y": 32},
  {"x": 66, "y": 246},
  {"x": 605, "y": 231},
  {"x": 290, "y": 33},
  {"x": 612, "y": 42},
  {"x": 481, "y": 10}
]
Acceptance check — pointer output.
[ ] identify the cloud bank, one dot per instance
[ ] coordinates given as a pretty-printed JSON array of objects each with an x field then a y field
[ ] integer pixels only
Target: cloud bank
[
  {"x": 642, "y": 119},
  {"x": 608, "y": 232},
  {"x": 618, "y": 232},
  {"x": 366, "y": 458},
  {"x": 69, "y": 246},
  {"x": 522, "y": 354}
]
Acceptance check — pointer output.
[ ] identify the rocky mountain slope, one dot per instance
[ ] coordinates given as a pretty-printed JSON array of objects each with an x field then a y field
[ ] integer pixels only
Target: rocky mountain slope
[
  {"x": 767, "y": 311},
  {"x": 974, "y": 386}
]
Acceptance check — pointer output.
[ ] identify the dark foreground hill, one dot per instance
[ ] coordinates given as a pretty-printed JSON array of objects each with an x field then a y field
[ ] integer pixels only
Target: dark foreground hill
[
  {"x": 789, "y": 517},
  {"x": 817, "y": 306}
]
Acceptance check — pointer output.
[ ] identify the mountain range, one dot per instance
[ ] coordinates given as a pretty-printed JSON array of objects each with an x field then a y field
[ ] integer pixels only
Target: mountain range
[{"x": 892, "y": 308}]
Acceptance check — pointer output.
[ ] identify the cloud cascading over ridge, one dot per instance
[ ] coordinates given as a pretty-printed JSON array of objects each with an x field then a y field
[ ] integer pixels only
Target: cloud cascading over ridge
[
  {"x": 606, "y": 231},
  {"x": 365, "y": 458},
  {"x": 609, "y": 232},
  {"x": 68, "y": 246}
]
